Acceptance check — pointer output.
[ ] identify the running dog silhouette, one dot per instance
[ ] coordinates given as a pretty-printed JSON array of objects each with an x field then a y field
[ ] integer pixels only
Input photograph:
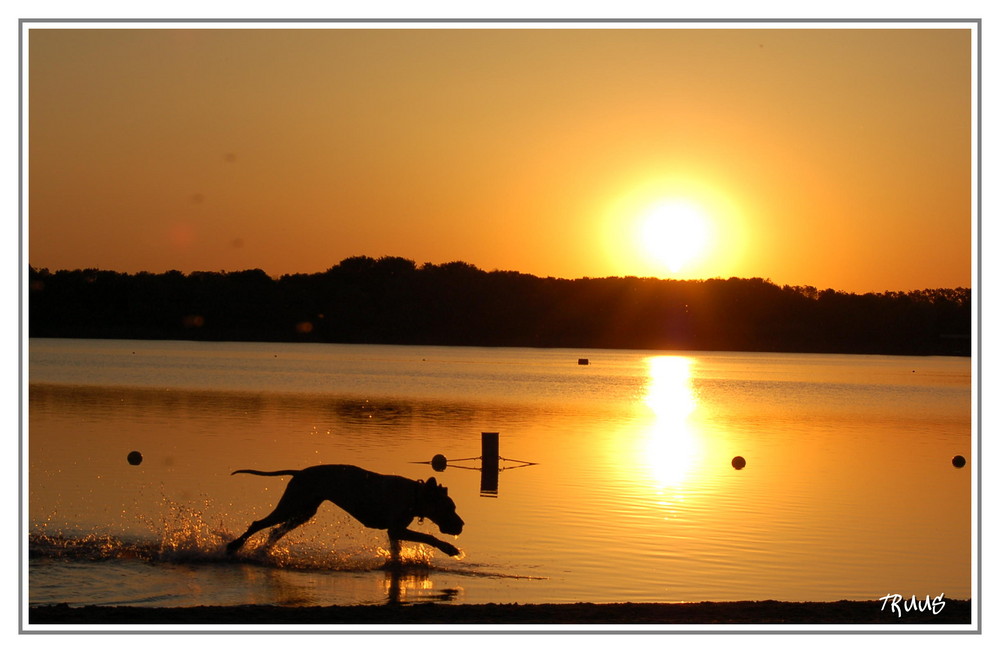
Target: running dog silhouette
[{"x": 375, "y": 500}]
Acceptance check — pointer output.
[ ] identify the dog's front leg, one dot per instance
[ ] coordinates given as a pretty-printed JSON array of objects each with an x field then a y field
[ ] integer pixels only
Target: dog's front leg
[
  {"x": 397, "y": 534},
  {"x": 395, "y": 548}
]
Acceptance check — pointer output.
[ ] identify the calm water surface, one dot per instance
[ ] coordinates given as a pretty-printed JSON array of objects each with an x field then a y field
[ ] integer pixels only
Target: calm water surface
[{"x": 848, "y": 492}]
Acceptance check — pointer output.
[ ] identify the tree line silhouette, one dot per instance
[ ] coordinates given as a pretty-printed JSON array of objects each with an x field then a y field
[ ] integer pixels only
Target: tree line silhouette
[{"x": 391, "y": 300}]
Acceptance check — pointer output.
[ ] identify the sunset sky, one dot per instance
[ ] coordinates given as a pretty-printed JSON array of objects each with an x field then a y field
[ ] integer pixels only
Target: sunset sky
[{"x": 830, "y": 157}]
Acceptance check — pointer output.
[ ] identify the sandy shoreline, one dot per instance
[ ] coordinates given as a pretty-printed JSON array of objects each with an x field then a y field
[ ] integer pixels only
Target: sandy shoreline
[{"x": 737, "y": 612}]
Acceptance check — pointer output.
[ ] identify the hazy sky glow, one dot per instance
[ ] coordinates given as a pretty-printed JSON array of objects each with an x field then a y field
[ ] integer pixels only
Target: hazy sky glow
[{"x": 829, "y": 157}]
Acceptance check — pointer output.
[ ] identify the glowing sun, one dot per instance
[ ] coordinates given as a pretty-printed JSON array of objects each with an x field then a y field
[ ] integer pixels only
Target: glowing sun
[
  {"x": 678, "y": 228},
  {"x": 673, "y": 234}
]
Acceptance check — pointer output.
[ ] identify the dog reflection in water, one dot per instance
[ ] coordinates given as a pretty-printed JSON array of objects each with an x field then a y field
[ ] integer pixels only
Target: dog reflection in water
[
  {"x": 405, "y": 584},
  {"x": 379, "y": 501}
]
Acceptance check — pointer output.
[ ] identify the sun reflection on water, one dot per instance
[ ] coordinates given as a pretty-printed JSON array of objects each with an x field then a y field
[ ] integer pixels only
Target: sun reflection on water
[{"x": 672, "y": 446}]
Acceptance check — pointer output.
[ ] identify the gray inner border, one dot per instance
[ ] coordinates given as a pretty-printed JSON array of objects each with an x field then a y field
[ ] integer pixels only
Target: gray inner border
[{"x": 975, "y": 23}]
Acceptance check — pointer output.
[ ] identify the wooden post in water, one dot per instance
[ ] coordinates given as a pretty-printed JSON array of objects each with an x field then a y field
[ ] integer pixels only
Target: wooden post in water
[{"x": 490, "y": 479}]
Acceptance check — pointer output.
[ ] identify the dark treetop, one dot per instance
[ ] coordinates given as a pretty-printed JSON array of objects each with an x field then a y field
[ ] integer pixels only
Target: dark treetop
[{"x": 393, "y": 301}]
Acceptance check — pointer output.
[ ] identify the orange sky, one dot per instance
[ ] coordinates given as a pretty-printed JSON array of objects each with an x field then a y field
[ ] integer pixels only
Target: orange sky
[{"x": 829, "y": 157}]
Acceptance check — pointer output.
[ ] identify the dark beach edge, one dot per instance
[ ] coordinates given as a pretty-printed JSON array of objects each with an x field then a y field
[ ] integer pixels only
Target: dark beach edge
[{"x": 955, "y": 612}]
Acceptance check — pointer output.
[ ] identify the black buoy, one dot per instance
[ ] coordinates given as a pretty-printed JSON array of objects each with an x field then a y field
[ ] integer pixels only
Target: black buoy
[
  {"x": 134, "y": 458},
  {"x": 958, "y": 461},
  {"x": 439, "y": 463},
  {"x": 739, "y": 462}
]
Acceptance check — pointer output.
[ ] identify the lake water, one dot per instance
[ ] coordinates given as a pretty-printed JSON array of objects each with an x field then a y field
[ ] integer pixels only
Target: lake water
[{"x": 848, "y": 491}]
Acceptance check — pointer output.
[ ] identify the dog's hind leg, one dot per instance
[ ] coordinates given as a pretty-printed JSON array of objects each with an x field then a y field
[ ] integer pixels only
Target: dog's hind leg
[
  {"x": 258, "y": 525},
  {"x": 282, "y": 530},
  {"x": 282, "y": 514}
]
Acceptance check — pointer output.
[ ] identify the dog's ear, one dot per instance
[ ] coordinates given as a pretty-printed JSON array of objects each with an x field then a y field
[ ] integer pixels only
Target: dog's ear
[{"x": 432, "y": 482}]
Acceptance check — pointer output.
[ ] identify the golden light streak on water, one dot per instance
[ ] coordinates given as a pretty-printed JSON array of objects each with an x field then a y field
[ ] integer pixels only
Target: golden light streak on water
[{"x": 672, "y": 445}]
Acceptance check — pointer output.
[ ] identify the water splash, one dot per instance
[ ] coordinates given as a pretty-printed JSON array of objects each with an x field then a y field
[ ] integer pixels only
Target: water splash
[
  {"x": 185, "y": 534},
  {"x": 410, "y": 556},
  {"x": 90, "y": 547}
]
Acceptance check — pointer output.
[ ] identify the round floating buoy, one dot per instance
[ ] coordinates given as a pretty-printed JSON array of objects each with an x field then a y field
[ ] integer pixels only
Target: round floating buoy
[
  {"x": 439, "y": 463},
  {"x": 739, "y": 462},
  {"x": 958, "y": 461},
  {"x": 134, "y": 458}
]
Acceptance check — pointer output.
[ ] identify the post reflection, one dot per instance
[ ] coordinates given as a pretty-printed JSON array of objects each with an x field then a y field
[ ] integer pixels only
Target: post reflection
[{"x": 672, "y": 445}]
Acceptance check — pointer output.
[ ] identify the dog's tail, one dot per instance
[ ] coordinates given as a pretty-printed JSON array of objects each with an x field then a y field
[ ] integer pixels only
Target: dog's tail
[{"x": 284, "y": 472}]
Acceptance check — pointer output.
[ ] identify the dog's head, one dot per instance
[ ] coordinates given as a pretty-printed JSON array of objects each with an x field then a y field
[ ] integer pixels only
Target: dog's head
[{"x": 439, "y": 508}]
